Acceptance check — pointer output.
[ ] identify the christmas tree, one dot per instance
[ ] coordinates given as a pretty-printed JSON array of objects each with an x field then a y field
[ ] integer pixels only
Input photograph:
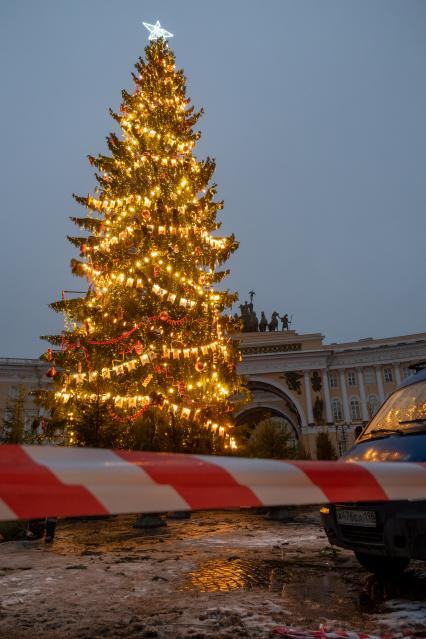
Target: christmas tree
[{"x": 150, "y": 334}]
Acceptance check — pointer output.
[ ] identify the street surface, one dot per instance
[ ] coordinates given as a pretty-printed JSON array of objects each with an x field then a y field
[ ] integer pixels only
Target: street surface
[{"x": 218, "y": 575}]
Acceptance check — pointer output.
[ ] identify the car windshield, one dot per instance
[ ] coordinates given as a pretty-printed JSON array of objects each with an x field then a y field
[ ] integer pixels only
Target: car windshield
[{"x": 405, "y": 410}]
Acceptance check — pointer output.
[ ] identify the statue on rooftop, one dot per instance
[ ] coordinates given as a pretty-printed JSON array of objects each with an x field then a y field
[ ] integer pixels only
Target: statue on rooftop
[
  {"x": 254, "y": 322},
  {"x": 263, "y": 324},
  {"x": 250, "y": 322},
  {"x": 249, "y": 319},
  {"x": 285, "y": 322},
  {"x": 273, "y": 324}
]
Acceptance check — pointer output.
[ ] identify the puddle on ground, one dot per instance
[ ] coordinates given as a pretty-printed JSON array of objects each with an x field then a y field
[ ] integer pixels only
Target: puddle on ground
[
  {"x": 314, "y": 590},
  {"x": 411, "y": 585},
  {"x": 230, "y": 574}
]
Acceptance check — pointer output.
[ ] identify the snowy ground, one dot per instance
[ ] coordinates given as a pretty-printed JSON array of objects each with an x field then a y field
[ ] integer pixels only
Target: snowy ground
[{"x": 217, "y": 575}]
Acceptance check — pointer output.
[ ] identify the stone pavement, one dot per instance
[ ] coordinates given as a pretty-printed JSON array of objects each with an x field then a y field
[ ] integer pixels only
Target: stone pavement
[{"x": 220, "y": 574}]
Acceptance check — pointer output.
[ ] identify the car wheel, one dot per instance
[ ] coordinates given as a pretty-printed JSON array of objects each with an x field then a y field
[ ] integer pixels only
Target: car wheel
[{"x": 380, "y": 565}]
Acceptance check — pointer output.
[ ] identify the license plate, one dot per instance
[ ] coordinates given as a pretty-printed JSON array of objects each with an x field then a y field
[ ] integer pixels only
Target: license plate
[{"x": 365, "y": 518}]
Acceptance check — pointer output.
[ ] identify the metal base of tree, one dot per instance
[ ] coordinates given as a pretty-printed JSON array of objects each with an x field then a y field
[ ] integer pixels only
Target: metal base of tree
[
  {"x": 148, "y": 521},
  {"x": 280, "y": 513},
  {"x": 179, "y": 514}
]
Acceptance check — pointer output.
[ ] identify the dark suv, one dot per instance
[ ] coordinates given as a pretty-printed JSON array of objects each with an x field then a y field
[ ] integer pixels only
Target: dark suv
[{"x": 386, "y": 535}]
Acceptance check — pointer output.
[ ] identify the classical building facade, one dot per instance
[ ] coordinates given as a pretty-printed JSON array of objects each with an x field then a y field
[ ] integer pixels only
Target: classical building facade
[
  {"x": 309, "y": 385},
  {"x": 17, "y": 373},
  {"x": 314, "y": 386}
]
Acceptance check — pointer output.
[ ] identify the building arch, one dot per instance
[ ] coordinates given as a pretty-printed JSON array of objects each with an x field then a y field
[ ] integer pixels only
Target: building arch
[
  {"x": 282, "y": 388},
  {"x": 258, "y": 411},
  {"x": 290, "y": 408}
]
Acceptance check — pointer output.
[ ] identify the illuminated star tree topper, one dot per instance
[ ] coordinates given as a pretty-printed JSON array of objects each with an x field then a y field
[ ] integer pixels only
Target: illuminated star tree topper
[{"x": 156, "y": 31}]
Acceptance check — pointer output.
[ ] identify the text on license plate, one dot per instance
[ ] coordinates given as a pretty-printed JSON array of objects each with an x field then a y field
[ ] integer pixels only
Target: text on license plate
[{"x": 356, "y": 517}]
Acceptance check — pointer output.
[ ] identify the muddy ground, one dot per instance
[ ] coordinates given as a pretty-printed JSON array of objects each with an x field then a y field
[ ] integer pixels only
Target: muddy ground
[{"x": 217, "y": 575}]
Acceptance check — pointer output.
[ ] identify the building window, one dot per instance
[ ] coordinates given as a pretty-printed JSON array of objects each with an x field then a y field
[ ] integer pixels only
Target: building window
[
  {"x": 388, "y": 375},
  {"x": 372, "y": 404},
  {"x": 351, "y": 378},
  {"x": 333, "y": 380},
  {"x": 407, "y": 372},
  {"x": 355, "y": 409},
  {"x": 369, "y": 376},
  {"x": 336, "y": 409}
]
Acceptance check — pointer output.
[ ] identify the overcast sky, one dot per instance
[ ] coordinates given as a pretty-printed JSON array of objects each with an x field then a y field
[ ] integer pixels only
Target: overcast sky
[{"x": 314, "y": 111}]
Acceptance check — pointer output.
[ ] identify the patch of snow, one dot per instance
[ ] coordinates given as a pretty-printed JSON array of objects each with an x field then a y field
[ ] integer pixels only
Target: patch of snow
[{"x": 402, "y": 614}]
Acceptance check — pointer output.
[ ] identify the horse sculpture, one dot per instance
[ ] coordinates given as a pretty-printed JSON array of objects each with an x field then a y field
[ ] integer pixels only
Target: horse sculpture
[
  {"x": 273, "y": 324},
  {"x": 263, "y": 324}
]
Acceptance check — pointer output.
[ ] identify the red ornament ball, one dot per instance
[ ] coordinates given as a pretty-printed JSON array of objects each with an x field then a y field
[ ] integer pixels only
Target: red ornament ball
[
  {"x": 199, "y": 366},
  {"x": 51, "y": 372},
  {"x": 164, "y": 316},
  {"x": 157, "y": 271}
]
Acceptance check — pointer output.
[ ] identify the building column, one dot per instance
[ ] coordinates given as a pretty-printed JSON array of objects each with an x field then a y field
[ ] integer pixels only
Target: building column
[
  {"x": 346, "y": 411},
  {"x": 397, "y": 370},
  {"x": 364, "y": 409},
  {"x": 308, "y": 395},
  {"x": 328, "y": 412},
  {"x": 379, "y": 380}
]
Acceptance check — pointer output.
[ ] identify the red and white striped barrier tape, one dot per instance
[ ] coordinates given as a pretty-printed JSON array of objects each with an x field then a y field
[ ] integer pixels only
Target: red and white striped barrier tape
[
  {"x": 326, "y": 633},
  {"x": 36, "y": 481}
]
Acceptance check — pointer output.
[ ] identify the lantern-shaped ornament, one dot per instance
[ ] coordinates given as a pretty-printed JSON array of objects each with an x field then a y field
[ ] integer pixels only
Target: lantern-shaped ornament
[
  {"x": 181, "y": 388},
  {"x": 138, "y": 347}
]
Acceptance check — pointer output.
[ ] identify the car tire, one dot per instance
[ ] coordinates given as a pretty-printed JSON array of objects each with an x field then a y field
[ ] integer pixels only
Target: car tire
[{"x": 381, "y": 565}]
